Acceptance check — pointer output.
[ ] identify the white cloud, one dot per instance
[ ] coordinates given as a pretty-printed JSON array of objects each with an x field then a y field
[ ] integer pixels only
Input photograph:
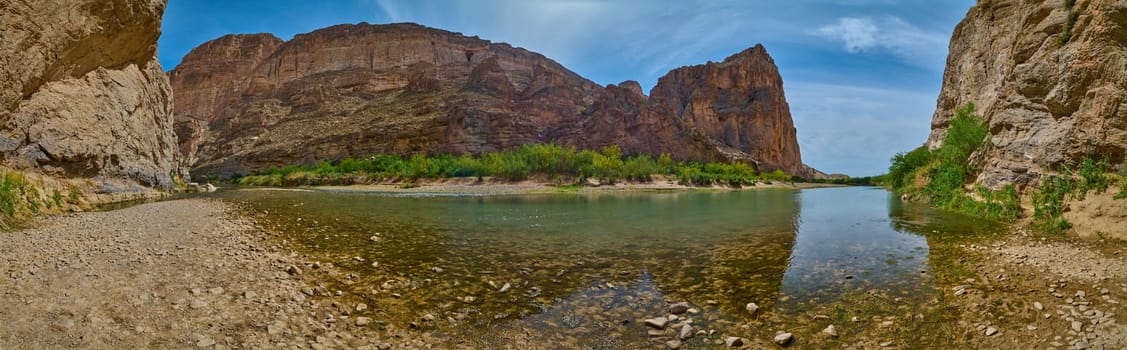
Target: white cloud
[
  {"x": 889, "y": 34},
  {"x": 859, "y": 34}
]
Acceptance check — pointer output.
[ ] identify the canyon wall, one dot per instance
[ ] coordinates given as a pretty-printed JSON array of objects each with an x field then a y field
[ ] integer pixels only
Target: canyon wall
[
  {"x": 83, "y": 95},
  {"x": 1050, "y": 78},
  {"x": 247, "y": 102}
]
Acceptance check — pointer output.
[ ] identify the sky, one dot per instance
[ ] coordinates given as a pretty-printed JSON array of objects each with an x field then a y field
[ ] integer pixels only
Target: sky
[{"x": 861, "y": 76}]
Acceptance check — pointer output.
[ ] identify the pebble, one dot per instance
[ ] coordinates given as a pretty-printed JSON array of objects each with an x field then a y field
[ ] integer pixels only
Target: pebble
[
  {"x": 437, "y": 269},
  {"x": 686, "y": 332},
  {"x": 991, "y": 331},
  {"x": 204, "y": 341},
  {"x": 679, "y": 308},
  {"x": 275, "y": 329},
  {"x": 752, "y": 308},
  {"x": 1037, "y": 305},
  {"x": 673, "y": 344},
  {"x": 196, "y": 304},
  {"x": 659, "y": 322},
  {"x": 830, "y": 331},
  {"x": 886, "y": 324},
  {"x": 363, "y": 321},
  {"x": 361, "y": 307},
  {"x": 293, "y": 270},
  {"x": 784, "y": 339},
  {"x": 505, "y": 288},
  {"x": 1077, "y": 326},
  {"x": 886, "y": 344},
  {"x": 428, "y": 317},
  {"x": 734, "y": 341}
]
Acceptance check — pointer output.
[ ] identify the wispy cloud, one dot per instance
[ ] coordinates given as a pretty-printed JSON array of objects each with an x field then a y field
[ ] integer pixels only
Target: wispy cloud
[{"x": 889, "y": 34}]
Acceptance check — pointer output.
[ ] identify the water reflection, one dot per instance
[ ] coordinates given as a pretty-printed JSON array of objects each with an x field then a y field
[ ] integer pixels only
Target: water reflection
[
  {"x": 581, "y": 270},
  {"x": 845, "y": 243}
]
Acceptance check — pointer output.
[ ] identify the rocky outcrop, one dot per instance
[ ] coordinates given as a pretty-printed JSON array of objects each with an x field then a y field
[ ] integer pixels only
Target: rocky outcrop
[
  {"x": 246, "y": 102},
  {"x": 739, "y": 104},
  {"x": 83, "y": 94},
  {"x": 1049, "y": 77}
]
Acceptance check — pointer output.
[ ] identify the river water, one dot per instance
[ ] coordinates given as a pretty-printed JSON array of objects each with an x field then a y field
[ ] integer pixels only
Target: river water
[{"x": 584, "y": 270}]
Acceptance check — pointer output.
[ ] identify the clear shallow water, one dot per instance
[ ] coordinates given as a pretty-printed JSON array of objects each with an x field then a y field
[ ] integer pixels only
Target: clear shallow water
[{"x": 584, "y": 267}]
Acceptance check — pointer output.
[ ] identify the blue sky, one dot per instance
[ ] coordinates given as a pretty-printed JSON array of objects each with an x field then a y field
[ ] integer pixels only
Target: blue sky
[{"x": 861, "y": 76}]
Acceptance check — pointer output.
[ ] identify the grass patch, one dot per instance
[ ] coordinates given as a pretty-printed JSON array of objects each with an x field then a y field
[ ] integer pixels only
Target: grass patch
[
  {"x": 609, "y": 165},
  {"x": 17, "y": 199},
  {"x": 1049, "y": 199}
]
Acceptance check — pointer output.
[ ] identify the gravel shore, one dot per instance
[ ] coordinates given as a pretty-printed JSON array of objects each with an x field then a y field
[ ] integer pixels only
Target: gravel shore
[{"x": 175, "y": 274}]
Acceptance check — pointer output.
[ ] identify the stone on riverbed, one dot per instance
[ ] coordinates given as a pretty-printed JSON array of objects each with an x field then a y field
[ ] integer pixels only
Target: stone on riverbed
[
  {"x": 991, "y": 331},
  {"x": 686, "y": 332},
  {"x": 363, "y": 321},
  {"x": 734, "y": 341},
  {"x": 830, "y": 331},
  {"x": 679, "y": 308},
  {"x": 784, "y": 339},
  {"x": 673, "y": 344},
  {"x": 752, "y": 308},
  {"x": 658, "y": 322}
]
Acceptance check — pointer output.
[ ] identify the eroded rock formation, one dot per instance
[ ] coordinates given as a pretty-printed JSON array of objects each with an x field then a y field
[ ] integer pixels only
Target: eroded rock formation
[
  {"x": 246, "y": 102},
  {"x": 1049, "y": 77},
  {"x": 83, "y": 95}
]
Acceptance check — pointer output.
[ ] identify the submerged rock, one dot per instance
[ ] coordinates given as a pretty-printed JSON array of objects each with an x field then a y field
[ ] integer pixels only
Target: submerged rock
[
  {"x": 679, "y": 308},
  {"x": 784, "y": 339},
  {"x": 830, "y": 331},
  {"x": 657, "y": 322},
  {"x": 752, "y": 308}
]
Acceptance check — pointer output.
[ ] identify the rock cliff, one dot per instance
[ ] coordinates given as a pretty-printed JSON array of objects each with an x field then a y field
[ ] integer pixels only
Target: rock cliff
[
  {"x": 1049, "y": 76},
  {"x": 246, "y": 102},
  {"x": 83, "y": 95}
]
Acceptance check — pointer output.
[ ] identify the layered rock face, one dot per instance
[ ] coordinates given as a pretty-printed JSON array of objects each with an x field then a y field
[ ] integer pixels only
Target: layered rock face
[
  {"x": 1051, "y": 80},
  {"x": 247, "y": 102},
  {"x": 83, "y": 94}
]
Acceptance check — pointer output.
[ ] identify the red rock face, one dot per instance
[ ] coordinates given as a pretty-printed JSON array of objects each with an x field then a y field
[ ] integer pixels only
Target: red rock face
[
  {"x": 247, "y": 102},
  {"x": 739, "y": 103}
]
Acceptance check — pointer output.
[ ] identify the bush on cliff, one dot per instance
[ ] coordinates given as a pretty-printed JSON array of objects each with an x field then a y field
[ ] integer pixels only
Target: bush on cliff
[{"x": 940, "y": 176}]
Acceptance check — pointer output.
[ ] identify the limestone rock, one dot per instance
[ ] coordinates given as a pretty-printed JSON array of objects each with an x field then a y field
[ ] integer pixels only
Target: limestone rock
[
  {"x": 252, "y": 101},
  {"x": 83, "y": 95},
  {"x": 1050, "y": 79}
]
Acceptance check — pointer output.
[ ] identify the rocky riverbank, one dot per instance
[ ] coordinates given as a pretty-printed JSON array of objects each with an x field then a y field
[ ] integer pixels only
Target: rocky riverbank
[{"x": 198, "y": 273}]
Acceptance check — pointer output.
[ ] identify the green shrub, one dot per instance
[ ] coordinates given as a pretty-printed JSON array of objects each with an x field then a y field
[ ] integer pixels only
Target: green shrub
[
  {"x": 1048, "y": 203},
  {"x": 517, "y": 164},
  {"x": 1093, "y": 175},
  {"x": 947, "y": 171},
  {"x": 17, "y": 198}
]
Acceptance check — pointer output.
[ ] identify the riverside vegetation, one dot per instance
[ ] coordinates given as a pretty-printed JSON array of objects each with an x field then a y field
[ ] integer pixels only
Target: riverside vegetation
[
  {"x": 538, "y": 160},
  {"x": 940, "y": 177}
]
